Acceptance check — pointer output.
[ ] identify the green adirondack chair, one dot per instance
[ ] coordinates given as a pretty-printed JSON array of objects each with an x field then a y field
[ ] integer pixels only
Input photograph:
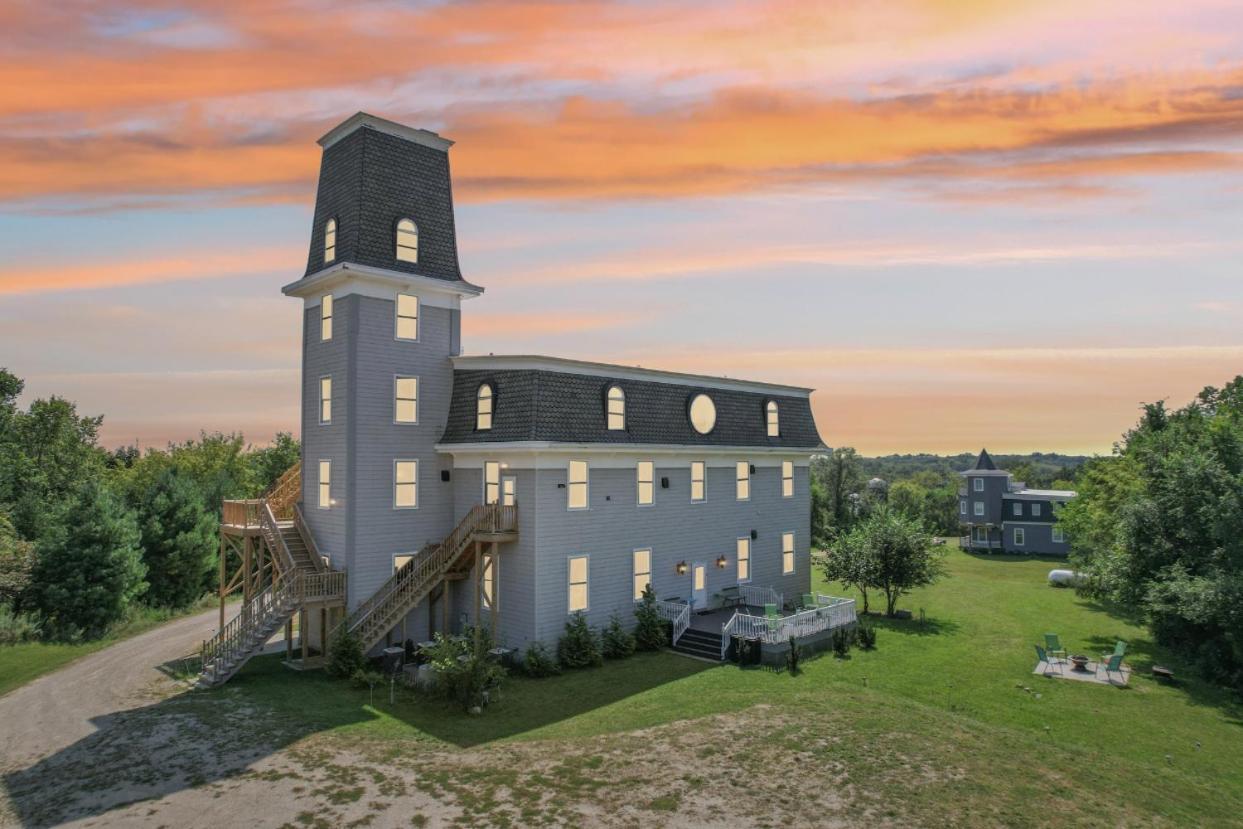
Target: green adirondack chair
[
  {"x": 1119, "y": 651},
  {"x": 770, "y": 613},
  {"x": 1114, "y": 665},
  {"x": 1049, "y": 664},
  {"x": 1054, "y": 646}
]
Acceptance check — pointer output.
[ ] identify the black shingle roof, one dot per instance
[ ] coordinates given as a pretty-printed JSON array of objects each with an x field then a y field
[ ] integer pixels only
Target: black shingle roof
[
  {"x": 370, "y": 179},
  {"x": 541, "y": 405},
  {"x": 985, "y": 461}
]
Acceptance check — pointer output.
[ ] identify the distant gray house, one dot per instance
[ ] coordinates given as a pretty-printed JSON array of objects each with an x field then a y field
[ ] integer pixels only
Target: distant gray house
[
  {"x": 999, "y": 513},
  {"x": 437, "y": 490}
]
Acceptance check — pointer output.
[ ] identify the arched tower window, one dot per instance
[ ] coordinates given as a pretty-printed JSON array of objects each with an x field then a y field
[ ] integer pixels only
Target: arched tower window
[
  {"x": 330, "y": 240},
  {"x": 407, "y": 241},
  {"x": 616, "y": 408},
  {"x": 771, "y": 417},
  {"x": 483, "y": 407}
]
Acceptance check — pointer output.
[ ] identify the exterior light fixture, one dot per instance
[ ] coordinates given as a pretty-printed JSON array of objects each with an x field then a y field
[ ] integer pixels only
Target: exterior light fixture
[
  {"x": 721, "y": 562},
  {"x": 754, "y": 535},
  {"x": 681, "y": 568}
]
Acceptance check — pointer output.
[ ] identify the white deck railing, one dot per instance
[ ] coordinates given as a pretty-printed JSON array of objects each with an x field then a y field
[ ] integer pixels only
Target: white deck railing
[
  {"x": 830, "y": 612},
  {"x": 758, "y": 595},
  {"x": 677, "y": 612}
]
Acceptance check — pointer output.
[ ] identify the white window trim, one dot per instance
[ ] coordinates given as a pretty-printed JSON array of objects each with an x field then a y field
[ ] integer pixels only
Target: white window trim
[
  {"x": 638, "y": 484},
  {"x": 319, "y": 483},
  {"x": 1036, "y": 510},
  {"x": 329, "y": 258},
  {"x": 738, "y": 481},
  {"x": 962, "y": 507},
  {"x": 793, "y": 553},
  {"x": 397, "y": 247},
  {"x": 1020, "y": 537},
  {"x": 977, "y": 484},
  {"x": 491, "y": 406},
  {"x": 739, "y": 559},
  {"x": 418, "y": 318},
  {"x": 414, "y": 461},
  {"x": 608, "y": 404},
  {"x": 396, "y": 556},
  {"x": 703, "y": 480},
  {"x": 489, "y": 567},
  {"x": 326, "y": 302},
  {"x": 484, "y": 481},
  {"x": 978, "y": 509},
  {"x": 396, "y": 378},
  {"x": 634, "y": 571},
  {"x": 784, "y": 479},
  {"x": 569, "y": 485},
  {"x": 569, "y": 584},
  {"x": 319, "y": 395},
  {"x": 772, "y": 417},
  {"x": 1017, "y": 509}
]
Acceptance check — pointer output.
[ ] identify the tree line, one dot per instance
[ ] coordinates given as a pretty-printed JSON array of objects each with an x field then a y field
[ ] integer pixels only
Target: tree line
[{"x": 88, "y": 535}]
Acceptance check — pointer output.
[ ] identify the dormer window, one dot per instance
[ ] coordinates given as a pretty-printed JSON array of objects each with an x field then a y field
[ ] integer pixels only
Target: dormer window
[
  {"x": 330, "y": 240},
  {"x": 616, "y": 409},
  {"x": 483, "y": 407},
  {"x": 702, "y": 413},
  {"x": 771, "y": 418},
  {"x": 407, "y": 241}
]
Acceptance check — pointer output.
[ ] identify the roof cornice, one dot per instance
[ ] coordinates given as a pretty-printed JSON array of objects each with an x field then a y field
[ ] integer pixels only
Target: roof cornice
[
  {"x": 426, "y": 138},
  {"x": 536, "y": 362},
  {"x": 484, "y": 448},
  {"x": 333, "y": 275}
]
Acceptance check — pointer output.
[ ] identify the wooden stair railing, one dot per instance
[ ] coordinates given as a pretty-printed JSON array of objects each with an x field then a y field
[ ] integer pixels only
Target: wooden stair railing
[
  {"x": 275, "y": 541},
  {"x": 308, "y": 538},
  {"x": 284, "y": 494},
  {"x": 417, "y": 577}
]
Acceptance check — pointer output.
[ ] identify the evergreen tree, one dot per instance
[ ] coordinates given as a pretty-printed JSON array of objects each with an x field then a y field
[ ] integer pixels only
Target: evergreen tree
[
  {"x": 618, "y": 642},
  {"x": 649, "y": 632},
  {"x": 178, "y": 541},
  {"x": 89, "y": 569}
]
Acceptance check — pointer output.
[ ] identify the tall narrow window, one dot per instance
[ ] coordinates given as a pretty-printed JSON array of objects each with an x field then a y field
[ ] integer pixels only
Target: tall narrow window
[
  {"x": 772, "y": 420},
  {"x": 491, "y": 482},
  {"x": 962, "y": 507},
  {"x": 325, "y": 318},
  {"x": 489, "y": 581},
  {"x": 325, "y": 484},
  {"x": 483, "y": 407},
  {"x": 406, "y": 400},
  {"x": 787, "y": 479},
  {"x": 698, "y": 486},
  {"x": 1035, "y": 510},
  {"x": 744, "y": 559},
  {"x": 330, "y": 240},
  {"x": 616, "y": 408},
  {"x": 743, "y": 480},
  {"x": 576, "y": 495},
  {"x": 979, "y": 509},
  {"x": 1018, "y": 509},
  {"x": 787, "y": 553},
  {"x": 405, "y": 484},
  {"x": 407, "y": 241},
  {"x": 407, "y": 317},
  {"x": 642, "y": 572},
  {"x": 578, "y": 583},
  {"x": 1020, "y": 537},
  {"x": 978, "y": 484},
  {"x": 645, "y": 489},
  {"x": 325, "y": 400}
]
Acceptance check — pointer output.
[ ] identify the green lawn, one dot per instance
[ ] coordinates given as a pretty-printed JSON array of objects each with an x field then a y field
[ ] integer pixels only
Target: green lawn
[{"x": 951, "y": 703}]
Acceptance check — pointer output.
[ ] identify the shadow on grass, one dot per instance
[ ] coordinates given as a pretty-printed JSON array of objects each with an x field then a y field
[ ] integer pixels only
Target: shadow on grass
[
  {"x": 911, "y": 627},
  {"x": 201, "y": 737},
  {"x": 1054, "y": 559}
]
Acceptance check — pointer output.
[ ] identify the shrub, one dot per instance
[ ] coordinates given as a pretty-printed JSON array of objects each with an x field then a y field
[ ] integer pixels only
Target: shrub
[
  {"x": 178, "y": 540},
  {"x": 794, "y": 656},
  {"x": 16, "y": 628},
  {"x": 465, "y": 673},
  {"x": 841, "y": 642},
  {"x": 346, "y": 658},
  {"x": 650, "y": 633},
  {"x": 580, "y": 646},
  {"x": 867, "y": 637},
  {"x": 618, "y": 642},
  {"x": 538, "y": 662},
  {"x": 17, "y": 562}
]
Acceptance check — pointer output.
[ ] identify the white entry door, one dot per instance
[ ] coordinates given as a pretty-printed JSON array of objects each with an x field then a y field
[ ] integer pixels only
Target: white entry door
[
  {"x": 509, "y": 490},
  {"x": 699, "y": 585}
]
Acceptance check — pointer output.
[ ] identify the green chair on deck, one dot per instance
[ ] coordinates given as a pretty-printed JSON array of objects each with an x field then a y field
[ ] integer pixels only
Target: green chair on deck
[
  {"x": 1053, "y": 646},
  {"x": 771, "y": 615},
  {"x": 809, "y": 601},
  {"x": 1049, "y": 664}
]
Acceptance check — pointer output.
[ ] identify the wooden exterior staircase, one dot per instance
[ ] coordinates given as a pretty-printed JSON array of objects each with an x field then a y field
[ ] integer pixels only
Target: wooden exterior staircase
[
  {"x": 435, "y": 565},
  {"x": 281, "y": 573}
]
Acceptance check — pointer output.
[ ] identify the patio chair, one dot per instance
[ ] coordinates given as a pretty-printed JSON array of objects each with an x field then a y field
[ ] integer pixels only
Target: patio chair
[
  {"x": 1054, "y": 646},
  {"x": 1113, "y": 665},
  {"x": 1049, "y": 664},
  {"x": 1119, "y": 650},
  {"x": 809, "y": 601},
  {"x": 772, "y": 616}
]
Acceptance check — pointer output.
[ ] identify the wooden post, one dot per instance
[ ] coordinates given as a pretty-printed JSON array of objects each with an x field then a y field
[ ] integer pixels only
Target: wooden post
[
  {"x": 444, "y": 609},
  {"x": 323, "y": 631},
  {"x": 478, "y": 588},
  {"x": 302, "y": 634},
  {"x": 247, "y": 561},
  {"x": 289, "y": 639},
  {"x": 496, "y": 594},
  {"x": 223, "y": 579}
]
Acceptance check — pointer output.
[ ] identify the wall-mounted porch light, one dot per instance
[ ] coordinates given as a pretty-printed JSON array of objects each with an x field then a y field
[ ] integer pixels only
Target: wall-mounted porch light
[
  {"x": 681, "y": 568},
  {"x": 721, "y": 562}
]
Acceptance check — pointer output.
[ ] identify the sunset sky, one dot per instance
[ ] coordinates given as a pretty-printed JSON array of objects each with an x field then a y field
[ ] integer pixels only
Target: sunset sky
[{"x": 966, "y": 224}]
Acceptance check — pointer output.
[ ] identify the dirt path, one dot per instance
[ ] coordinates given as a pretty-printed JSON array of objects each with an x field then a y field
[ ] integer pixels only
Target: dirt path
[{"x": 55, "y": 711}]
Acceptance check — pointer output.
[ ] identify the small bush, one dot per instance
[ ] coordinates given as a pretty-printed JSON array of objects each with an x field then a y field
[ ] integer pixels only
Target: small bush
[
  {"x": 794, "y": 656},
  {"x": 867, "y": 637},
  {"x": 16, "y": 628},
  {"x": 369, "y": 678},
  {"x": 580, "y": 646},
  {"x": 841, "y": 642},
  {"x": 538, "y": 662},
  {"x": 650, "y": 634},
  {"x": 618, "y": 642},
  {"x": 465, "y": 673},
  {"x": 346, "y": 657}
]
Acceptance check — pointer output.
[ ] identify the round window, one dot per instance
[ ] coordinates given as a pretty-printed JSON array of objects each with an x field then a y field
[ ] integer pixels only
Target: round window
[{"x": 703, "y": 413}]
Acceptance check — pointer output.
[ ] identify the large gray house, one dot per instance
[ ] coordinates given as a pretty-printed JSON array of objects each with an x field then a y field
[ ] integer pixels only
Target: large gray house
[
  {"x": 999, "y": 513},
  {"x": 439, "y": 489}
]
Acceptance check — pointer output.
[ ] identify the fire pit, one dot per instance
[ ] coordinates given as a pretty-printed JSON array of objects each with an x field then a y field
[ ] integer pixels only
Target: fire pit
[{"x": 1080, "y": 662}]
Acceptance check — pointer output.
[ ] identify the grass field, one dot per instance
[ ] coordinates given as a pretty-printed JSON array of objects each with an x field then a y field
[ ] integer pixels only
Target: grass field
[{"x": 944, "y": 724}]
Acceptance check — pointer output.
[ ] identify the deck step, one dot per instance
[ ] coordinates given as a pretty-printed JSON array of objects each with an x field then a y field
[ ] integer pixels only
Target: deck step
[{"x": 701, "y": 643}]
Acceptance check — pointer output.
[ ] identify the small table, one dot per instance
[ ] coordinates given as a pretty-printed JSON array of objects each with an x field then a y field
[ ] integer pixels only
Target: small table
[{"x": 1080, "y": 663}]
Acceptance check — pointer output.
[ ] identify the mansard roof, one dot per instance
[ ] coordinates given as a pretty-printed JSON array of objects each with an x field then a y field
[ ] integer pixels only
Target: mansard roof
[
  {"x": 985, "y": 461},
  {"x": 373, "y": 173},
  {"x": 543, "y": 400}
]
